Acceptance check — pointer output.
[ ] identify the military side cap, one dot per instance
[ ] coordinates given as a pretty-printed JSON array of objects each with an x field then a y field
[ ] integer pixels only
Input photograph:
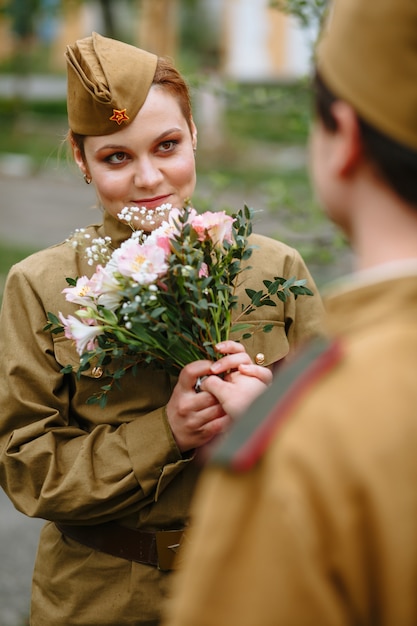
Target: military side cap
[
  {"x": 107, "y": 84},
  {"x": 367, "y": 55}
]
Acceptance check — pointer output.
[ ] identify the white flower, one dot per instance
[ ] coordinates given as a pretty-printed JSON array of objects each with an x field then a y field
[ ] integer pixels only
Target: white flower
[
  {"x": 106, "y": 288},
  {"x": 82, "y": 293},
  {"x": 128, "y": 215},
  {"x": 83, "y": 332}
]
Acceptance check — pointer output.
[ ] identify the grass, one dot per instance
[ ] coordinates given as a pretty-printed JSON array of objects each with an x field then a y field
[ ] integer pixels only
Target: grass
[
  {"x": 9, "y": 255},
  {"x": 35, "y": 129},
  {"x": 273, "y": 113}
]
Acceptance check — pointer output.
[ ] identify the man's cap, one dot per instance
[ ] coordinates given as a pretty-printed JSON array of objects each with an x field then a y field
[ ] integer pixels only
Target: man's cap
[
  {"x": 367, "y": 55},
  {"x": 107, "y": 84}
]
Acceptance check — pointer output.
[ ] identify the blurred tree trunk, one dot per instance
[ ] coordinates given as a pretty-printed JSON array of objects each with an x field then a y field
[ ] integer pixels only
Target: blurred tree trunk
[
  {"x": 109, "y": 18},
  {"x": 71, "y": 28},
  {"x": 158, "y": 26}
]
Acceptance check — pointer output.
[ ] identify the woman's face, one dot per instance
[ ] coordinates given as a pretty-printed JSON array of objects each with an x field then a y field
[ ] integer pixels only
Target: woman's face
[{"x": 148, "y": 163}]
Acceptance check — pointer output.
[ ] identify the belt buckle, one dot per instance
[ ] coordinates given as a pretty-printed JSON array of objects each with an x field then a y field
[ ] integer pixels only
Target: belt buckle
[{"x": 167, "y": 546}]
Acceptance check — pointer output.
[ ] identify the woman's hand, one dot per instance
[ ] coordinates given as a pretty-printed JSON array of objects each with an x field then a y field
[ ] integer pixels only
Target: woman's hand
[
  {"x": 195, "y": 418},
  {"x": 242, "y": 380}
]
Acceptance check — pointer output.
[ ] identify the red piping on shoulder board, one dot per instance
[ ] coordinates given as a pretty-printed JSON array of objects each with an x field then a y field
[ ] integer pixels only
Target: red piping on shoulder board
[{"x": 250, "y": 452}]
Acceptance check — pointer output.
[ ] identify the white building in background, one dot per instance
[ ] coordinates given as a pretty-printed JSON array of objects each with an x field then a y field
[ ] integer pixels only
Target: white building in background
[{"x": 261, "y": 43}]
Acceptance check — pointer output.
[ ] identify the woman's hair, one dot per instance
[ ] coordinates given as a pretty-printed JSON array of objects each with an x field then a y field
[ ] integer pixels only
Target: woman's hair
[
  {"x": 170, "y": 79},
  {"x": 395, "y": 162},
  {"x": 167, "y": 77}
]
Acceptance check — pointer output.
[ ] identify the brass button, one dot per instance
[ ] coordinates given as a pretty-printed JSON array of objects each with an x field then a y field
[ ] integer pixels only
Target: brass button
[
  {"x": 260, "y": 358},
  {"x": 96, "y": 372}
]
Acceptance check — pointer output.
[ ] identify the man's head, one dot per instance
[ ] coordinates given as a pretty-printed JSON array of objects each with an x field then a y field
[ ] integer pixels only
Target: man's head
[{"x": 367, "y": 57}]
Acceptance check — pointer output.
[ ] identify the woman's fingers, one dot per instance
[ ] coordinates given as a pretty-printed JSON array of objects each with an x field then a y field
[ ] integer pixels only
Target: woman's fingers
[{"x": 257, "y": 371}]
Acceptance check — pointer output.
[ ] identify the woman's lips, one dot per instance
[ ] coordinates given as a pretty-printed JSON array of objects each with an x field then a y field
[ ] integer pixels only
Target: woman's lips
[{"x": 151, "y": 203}]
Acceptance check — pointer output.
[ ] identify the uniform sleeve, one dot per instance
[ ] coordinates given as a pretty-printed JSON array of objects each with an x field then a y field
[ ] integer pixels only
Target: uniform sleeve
[{"x": 56, "y": 462}]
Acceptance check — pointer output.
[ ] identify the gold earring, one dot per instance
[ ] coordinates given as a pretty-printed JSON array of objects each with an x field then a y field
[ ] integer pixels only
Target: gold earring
[{"x": 87, "y": 179}]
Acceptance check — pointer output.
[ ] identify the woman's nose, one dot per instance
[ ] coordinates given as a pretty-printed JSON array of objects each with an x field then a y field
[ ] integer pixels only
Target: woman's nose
[{"x": 147, "y": 173}]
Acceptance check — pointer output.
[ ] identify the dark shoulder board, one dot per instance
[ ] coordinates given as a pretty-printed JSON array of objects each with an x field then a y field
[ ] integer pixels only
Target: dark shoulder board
[{"x": 251, "y": 434}]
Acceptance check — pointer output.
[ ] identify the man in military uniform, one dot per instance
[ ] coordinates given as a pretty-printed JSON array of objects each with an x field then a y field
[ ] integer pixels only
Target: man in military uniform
[{"x": 307, "y": 513}]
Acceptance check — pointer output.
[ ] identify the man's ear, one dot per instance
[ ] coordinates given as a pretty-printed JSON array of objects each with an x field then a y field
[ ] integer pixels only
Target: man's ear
[{"x": 348, "y": 147}]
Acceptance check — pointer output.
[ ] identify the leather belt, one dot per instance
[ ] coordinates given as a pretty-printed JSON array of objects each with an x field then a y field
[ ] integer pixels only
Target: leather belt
[{"x": 156, "y": 548}]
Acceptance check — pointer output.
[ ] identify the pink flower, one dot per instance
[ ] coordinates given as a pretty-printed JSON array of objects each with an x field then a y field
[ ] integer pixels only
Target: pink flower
[
  {"x": 82, "y": 293},
  {"x": 203, "y": 272},
  {"x": 175, "y": 214},
  {"x": 83, "y": 332},
  {"x": 214, "y": 226},
  {"x": 161, "y": 237},
  {"x": 142, "y": 262}
]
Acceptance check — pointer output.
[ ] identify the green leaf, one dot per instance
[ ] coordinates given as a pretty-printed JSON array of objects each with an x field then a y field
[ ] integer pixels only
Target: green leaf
[
  {"x": 158, "y": 312},
  {"x": 54, "y": 320},
  {"x": 237, "y": 328},
  {"x": 301, "y": 291},
  {"x": 289, "y": 282},
  {"x": 250, "y": 292},
  {"x": 108, "y": 316},
  {"x": 256, "y": 298},
  {"x": 102, "y": 401}
]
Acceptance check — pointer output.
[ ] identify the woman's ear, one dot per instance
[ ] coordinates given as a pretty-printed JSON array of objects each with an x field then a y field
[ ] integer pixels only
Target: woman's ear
[
  {"x": 193, "y": 134},
  {"x": 347, "y": 145},
  {"x": 78, "y": 157}
]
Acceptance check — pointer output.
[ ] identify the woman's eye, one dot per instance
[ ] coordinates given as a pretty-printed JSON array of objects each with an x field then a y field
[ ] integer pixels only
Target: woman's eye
[
  {"x": 167, "y": 146},
  {"x": 117, "y": 157}
]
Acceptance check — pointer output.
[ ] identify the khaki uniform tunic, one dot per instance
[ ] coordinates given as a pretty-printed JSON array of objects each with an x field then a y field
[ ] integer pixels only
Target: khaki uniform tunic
[
  {"x": 67, "y": 461},
  {"x": 322, "y": 530}
]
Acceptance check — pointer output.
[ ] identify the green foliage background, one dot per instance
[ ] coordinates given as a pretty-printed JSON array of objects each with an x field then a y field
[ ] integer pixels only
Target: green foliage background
[{"x": 263, "y": 126}]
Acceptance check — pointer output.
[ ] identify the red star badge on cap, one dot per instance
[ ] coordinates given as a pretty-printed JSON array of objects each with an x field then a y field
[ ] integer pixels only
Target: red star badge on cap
[{"x": 119, "y": 116}]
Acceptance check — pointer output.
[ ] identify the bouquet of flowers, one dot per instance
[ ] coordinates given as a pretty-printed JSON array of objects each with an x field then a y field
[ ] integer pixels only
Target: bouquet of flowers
[{"x": 166, "y": 298}]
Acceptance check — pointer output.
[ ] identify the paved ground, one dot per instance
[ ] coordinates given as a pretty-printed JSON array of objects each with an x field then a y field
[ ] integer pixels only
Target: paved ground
[
  {"x": 40, "y": 210},
  {"x": 18, "y": 541}
]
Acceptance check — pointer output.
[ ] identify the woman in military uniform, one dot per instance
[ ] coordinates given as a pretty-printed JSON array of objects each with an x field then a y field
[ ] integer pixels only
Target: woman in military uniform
[{"x": 114, "y": 483}]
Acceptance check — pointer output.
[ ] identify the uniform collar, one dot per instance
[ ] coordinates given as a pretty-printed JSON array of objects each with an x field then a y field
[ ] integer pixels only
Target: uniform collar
[
  {"x": 379, "y": 273},
  {"x": 383, "y": 296},
  {"x": 115, "y": 229}
]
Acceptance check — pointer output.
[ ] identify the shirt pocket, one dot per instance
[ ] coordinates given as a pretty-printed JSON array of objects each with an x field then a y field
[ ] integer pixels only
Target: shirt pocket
[
  {"x": 66, "y": 354},
  {"x": 265, "y": 348}
]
